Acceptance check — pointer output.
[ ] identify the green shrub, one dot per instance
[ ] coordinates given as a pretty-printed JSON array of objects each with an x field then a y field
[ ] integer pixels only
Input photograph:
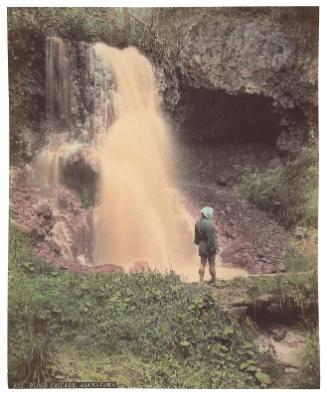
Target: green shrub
[
  {"x": 30, "y": 351},
  {"x": 30, "y": 348},
  {"x": 299, "y": 289},
  {"x": 308, "y": 376},
  {"x": 289, "y": 192},
  {"x": 300, "y": 189},
  {"x": 261, "y": 188},
  {"x": 296, "y": 262}
]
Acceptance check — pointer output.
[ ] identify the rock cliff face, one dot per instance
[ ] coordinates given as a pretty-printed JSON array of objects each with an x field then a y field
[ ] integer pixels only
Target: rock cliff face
[
  {"x": 76, "y": 78},
  {"x": 240, "y": 74},
  {"x": 266, "y": 52},
  {"x": 168, "y": 89}
]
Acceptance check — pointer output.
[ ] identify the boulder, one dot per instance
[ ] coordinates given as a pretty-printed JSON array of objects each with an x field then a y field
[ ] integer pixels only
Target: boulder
[
  {"x": 277, "y": 331},
  {"x": 43, "y": 222},
  {"x": 107, "y": 268},
  {"x": 222, "y": 180},
  {"x": 140, "y": 266},
  {"x": 265, "y": 299},
  {"x": 239, "y": 311}
]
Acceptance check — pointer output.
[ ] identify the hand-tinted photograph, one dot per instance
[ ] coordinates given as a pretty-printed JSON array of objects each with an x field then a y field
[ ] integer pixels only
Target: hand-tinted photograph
[{"x": 163, "y": 197}]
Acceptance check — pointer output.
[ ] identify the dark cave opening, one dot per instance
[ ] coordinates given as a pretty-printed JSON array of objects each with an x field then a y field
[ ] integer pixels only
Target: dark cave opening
[
  {"x": 288, "y": 314},
  {"x": 211, "y": 115},
  {"x": 80, "y": 177}
]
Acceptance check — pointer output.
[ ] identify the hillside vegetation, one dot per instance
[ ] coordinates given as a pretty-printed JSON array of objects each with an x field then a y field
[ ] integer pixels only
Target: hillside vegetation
[
  {"x": 290, "y": 192},
  {"x": 150, "y": 330},
  {"x": 140, "y": 330}
]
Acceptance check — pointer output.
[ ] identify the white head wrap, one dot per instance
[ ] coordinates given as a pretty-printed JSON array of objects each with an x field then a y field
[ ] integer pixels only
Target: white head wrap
[{"x": 207, "y": 212}]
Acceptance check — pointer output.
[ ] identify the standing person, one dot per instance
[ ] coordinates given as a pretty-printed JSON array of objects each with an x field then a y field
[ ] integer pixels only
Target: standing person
[{"x": 206, "y": 238}]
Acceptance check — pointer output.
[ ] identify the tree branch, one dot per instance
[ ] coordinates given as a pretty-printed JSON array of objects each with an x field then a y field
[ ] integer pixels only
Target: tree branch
[{"x": 142, "y": 23}]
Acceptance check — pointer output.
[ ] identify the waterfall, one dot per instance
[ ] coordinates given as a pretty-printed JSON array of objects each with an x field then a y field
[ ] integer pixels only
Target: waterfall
[
  {"x": 140, "y": 214},
  {"x": 103, "y": 108},
  {"x": 57, "y": 82}
]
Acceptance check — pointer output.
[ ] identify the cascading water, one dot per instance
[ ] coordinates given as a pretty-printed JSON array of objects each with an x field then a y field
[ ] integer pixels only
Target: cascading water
[
  {"x": 57, "y": 82},
  {"x": 140, "y": 213},
  {"x": 106, "y": 135}
]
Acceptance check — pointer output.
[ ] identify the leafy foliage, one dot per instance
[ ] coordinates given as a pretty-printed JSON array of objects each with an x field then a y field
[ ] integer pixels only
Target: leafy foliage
[
  {"x": 297, "y": 262},
  {"x": 298, "y": 289},
  {"x": 29, "y": 343},
  {"x": 140, "y": 330},
  {"x": 290, "y": 192},
  {"x": 308, "y": 375},
  {"x": 261, "y": 188},
  {"x": 169, "y": 331}
]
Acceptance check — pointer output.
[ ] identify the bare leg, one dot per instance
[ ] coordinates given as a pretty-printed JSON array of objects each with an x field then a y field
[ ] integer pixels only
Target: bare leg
[
  {"x": 202, "y": 268},
  {"x": 212, "y": 270},
  {"x": 212, "y": 267}
]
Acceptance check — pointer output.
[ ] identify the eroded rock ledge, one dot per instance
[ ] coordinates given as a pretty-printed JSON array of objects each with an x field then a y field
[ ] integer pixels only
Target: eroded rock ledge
[{"x": 267, "y": 51}]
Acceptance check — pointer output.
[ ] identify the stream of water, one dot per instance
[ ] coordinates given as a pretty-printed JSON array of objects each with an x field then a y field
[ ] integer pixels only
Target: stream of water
[{"x": 139, "y": 212}]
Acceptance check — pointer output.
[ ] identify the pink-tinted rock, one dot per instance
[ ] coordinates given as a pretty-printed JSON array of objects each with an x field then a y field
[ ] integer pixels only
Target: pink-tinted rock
[
  {"x": 108, "y": 268},
  {"x": 140, "y": 266},
  {"x": 44, "y": 211},
  {"x": 32, "y": 213},
  {"x": 43, "y": 221},
  {"x": 248, "y": 238}
]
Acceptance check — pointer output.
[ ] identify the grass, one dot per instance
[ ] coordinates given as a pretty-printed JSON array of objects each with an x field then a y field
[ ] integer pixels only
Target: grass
[
  {"x": 298, "y": 286},
  {"x": 30, "y": 352},
  {"x": 145, "y": 330},
  {"x": 261, "y": 188},
  {"x": 296, "y": 262},
  {"x": 308, "y": 375},
  {"x": 289, "y": 192},
  {"x": 299, "y": 289}
]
